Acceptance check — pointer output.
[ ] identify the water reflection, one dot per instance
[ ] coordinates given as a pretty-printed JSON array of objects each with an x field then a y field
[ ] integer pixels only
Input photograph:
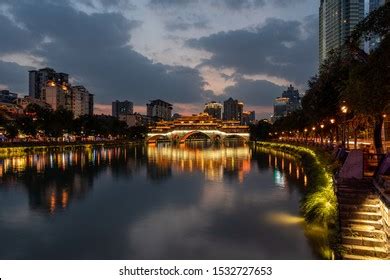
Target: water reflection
[{"x": 153, "y": 202}]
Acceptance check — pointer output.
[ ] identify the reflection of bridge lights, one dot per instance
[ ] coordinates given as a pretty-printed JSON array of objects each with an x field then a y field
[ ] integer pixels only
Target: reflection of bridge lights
[
  {"x": 65, "y": 199},
  {"x": 290, "y": 168},
  {"x": 52, "y": 202},
  {"x": 279, "y": 178},
  {"x": 305, "y": 181},
  {"x": 298, "y": 174}
]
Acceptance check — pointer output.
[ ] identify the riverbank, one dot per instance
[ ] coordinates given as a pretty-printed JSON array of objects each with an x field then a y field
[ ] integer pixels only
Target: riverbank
[
  {"x": 25, "y": 148},
  {"x": 319, "y": 206}
]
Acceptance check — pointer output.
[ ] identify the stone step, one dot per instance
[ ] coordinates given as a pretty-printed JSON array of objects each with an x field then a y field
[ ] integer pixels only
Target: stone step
[
  {"x": 357, "y": 196},
  {"x": 348, "y": 189},
  {"x": 378, "y": 252},
  {"x": 363, "y": 231},
  {"x": 360, "y": 215},
  {"x": 356, "y": 222},
  {"x": 354, "y": 200},
  {"x": 373, "y": 208},
  {"x": 364, "y": 241},
  {"x": 358, "y": 257}
]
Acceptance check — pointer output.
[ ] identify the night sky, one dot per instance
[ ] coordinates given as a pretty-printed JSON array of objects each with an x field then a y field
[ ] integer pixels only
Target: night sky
[{"x": 186, "y": 52}]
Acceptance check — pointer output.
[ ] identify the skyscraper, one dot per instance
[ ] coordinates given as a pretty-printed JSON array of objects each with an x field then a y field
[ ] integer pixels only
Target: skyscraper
[
  {"x": 232, "y": 110},
  {"x": 121, "y": 108},
  {"x": 214, "y": 109},
  {"x": 338, "y": 19}
]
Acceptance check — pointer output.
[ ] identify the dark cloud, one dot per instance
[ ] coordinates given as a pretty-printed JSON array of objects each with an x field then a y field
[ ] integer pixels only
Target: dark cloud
[
  {"x": 94, "y": 49},
  {"x": 14, "y": 76},
  {"x": 171, "y": 3},
  {"x": 182, "y": 24},
  {"x": 254, "y": 92},
  {"x": 229, "y": 4},
  {"x": 285, "y": 49},
  {"x": 14, "y": 38}
]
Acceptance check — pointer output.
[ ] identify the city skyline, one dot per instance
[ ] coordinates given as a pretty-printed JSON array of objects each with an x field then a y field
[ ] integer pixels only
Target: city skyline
[
  {"x": 187, "y": 52},
  {"x": 173, "y": 48}
]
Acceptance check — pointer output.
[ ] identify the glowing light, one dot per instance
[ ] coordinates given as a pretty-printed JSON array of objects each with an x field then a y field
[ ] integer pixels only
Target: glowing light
[
  {"x": 344, "y": 109},
  {"x": 282, "y": 218}
]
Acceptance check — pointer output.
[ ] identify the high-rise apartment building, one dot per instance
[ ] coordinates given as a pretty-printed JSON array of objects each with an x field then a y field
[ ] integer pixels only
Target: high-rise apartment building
[
  {"x": 39, "y": 79},
  {"x": 57, "y": 96},
  {"x": 213, "y": 109},
  {"x": 159, "y": 110},
  {"x": 338, "y": 19},
  {"x": 232, "y": 110},
  {"x": 122, "y": 108},
  {"x": 80, "y": 101}
]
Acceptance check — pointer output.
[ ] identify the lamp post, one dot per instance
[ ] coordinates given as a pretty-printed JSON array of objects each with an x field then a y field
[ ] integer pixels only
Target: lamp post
[
  {"x": 344, "y": 110},
  {"x": 332, "y": 122},
  {"x": 305, "y": 133},
  {"x": 321, "y": 133}
]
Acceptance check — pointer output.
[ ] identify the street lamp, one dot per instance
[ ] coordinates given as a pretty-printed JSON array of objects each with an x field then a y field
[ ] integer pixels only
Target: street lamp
[{"x": 344, "y": 110}]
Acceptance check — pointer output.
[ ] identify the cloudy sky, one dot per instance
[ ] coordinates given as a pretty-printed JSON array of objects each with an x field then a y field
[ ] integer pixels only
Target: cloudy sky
[{"x": 186, "y": 52}]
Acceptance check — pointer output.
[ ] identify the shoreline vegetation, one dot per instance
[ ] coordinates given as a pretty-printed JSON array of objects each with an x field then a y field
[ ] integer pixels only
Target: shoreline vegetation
[
  {"x": 319, "y": 205},
  {"x": 25, "y": 148}
]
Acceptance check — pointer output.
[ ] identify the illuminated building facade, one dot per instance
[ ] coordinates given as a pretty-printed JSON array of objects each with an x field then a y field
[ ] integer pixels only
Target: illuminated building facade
[
  {"x": 186, "y": 127},
  {"x": 214, "y": 109},
  {"x": 38, "y": 79},
  {"x": 57, "y": 96}
]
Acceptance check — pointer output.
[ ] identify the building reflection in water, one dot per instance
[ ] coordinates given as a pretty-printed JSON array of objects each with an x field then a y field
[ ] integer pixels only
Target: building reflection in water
[{"x": 54, "y": 180}]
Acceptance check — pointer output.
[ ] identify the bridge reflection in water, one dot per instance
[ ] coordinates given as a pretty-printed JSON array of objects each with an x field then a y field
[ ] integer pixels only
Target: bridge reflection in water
[
  {"x": 54, "y": 179},
  {"x": 192, "y": 201}
]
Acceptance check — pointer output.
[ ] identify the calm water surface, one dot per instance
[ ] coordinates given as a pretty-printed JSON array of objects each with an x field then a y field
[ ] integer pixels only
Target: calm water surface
[{"x": 153, "y": 202}]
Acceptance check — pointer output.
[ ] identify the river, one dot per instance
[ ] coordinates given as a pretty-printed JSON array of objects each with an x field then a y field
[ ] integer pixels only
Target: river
[{"x": 153, "y": 202}]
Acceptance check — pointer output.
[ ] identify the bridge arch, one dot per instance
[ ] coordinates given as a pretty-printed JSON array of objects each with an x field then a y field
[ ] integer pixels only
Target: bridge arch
[
  {"x": 189, "y": 134},
  {"x": 236, "y": 136},
  {"x": 154, "y": 139}
]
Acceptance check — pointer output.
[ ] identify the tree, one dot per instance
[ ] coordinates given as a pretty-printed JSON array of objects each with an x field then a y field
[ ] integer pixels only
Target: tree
[
  {"x": 260, "y": 131},
  {"x": 26, "y": 125},
  {"x": 368, "y": 89},
  {"x": 11, "y": 130},
  {"x": 368, "y": 85}
]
